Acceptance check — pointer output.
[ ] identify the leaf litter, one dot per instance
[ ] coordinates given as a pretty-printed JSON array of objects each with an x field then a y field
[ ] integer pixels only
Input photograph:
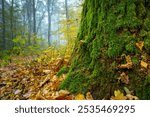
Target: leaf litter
[{"x": 36, "y": 80}]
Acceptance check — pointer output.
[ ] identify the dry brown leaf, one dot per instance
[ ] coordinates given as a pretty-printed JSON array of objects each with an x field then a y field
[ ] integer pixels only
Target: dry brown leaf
[
  {"x": 118, "y": 95},
  {"x": 131, "y": 97},
  {"x": 45, "y": 80},
  {"x": 39, "y": 96},
  {"x": 17, "y": 91},
  {"x": 79, "y": 97},
  {"x": 140, "y": 45},
  {"x": 69, "y": 97},
  {"x": 124, "y": 78},
  {"x": 89, "y": 96},
  {"x": 64, "y": 92},
  {"x": 144, "y": 64},
  {"x": 55, "y": 85},
  {"x": 128, "y": 65},
  {"x": 47, "y": 71}
]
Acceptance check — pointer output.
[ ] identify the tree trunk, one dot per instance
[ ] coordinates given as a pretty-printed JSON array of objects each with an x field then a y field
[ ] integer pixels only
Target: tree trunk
[
  {"x": 34, "y": 21},
  {"x": 11, "y": 22},
  {"x": 49, "y": 22},
  {"x": 110, "y": 31},
  {"x": 34, "y": 17},
  {"x": 67, "y": 19},
  {"x": 66, "y": 8},
  {"x": 28, "y": 2},
  {"x": 3, "y": 27},
  {"x": 50, "y": 4}
]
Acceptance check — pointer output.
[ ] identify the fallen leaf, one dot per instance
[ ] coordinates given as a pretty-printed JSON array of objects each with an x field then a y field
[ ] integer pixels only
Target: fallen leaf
[
  {"x": 45, "y": 80},
  {"x": 128, "y": 65},
  {"x": 140, "y": 45},
  {"x": 64, "y": 92},
  {"x": 27, "y": 95},
  {"x": 131, "y": 97},
  {"x": 47, "y": 71},
  {"x": 118, "y": 95},
  {"x": 124, "y": 78},
  {"x": 89, "y": 96},
  {"x": 79, "y": 97},
  {"x": 144, "y": 64},
  {"x": 17, "y": 92}
]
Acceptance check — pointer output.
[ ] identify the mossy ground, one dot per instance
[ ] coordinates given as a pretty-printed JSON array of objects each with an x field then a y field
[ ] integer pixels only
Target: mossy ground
[{"x": 110, "y": 29}]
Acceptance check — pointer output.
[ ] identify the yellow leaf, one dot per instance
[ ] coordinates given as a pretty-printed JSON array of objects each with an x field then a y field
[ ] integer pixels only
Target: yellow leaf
[
  {"x": 140, "y": 44},
  {"x": 144, "y": 64},
  {"x": 9, "y": 83},
  {"x": 89, "y": 96},
  {"x": 47, "y": 71},
  {"x": 128, "y": 65},
  {"x": 79, "y": 97},
  {"x": 118, "y": 95},
  {"x": 128, "y": 59}
]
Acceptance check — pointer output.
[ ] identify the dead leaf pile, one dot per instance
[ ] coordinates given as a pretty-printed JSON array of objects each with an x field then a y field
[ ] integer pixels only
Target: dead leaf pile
[{"x": 34, "y": 80}]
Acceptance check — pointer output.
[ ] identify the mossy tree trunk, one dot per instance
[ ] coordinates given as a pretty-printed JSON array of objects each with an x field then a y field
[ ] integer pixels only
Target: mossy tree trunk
[{"x": 109, "y": 30}]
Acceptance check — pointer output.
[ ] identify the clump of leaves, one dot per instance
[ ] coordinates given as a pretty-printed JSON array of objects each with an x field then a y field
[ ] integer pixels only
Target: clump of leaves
[{"x": 118, "y": 95}]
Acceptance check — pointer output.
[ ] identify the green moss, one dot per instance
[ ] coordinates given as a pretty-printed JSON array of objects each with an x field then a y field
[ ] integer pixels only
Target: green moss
[
  {"x": 130, "y": 47},
  {"x": 109, "y": 28},
  {"x": 147, "y": 45},
  {"x": 135, "y": 60},
  {"x": 63, "y": 70},
  {"x": 147, "y": 24},
  {"x": 75, "y": 83}
]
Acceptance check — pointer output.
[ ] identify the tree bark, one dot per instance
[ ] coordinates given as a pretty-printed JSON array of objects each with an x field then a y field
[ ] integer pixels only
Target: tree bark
[
  {"x": 50, "y": 10},
  {"x": 66, "y": 8},
  {"x": 110, "y": 31},
  {"x": 34, "y": 18},
  {"x": 11, "y": 22},
  {"x": 3, "y": 28},
  {"x": 28, "y": 2}
]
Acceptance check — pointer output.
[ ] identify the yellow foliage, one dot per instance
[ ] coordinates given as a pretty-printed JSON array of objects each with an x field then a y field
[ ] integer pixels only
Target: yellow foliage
[
  {"x": 140, "y": 45},
  {"x": 144, "y": 64},
  {"x": 128, "y": 65},
  {"x": 118, "y": 95},
  {"x": 89, "y": 96},
  {"x": 79, "y": 97}
]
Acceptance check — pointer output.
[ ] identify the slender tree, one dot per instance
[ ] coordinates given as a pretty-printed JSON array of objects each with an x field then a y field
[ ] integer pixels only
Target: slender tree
[
  {"x": 3, "y": 27},
  {"x": 34, "y": 18},
  {"x": 66, "y": 9},
  {"x": 50, "y": 4},
  {"x": 29, "y": 16},
  {"x": 11, "y": 22}
]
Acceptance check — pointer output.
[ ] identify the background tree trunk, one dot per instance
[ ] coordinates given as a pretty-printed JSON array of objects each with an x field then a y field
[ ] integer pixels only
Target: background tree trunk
[
  {"x": 3, "y": 27},
  {"x": 49, "y": 22},
  {"x": 109, "y": 31},
  {"x": 11, "y": 23},
  {"x": 28, "y": 2},
  {"x": 34, "y": 22},
  {"x": 50, "y": 4}
]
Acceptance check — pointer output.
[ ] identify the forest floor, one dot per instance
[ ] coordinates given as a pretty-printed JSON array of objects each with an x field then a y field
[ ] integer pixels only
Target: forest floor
[{"x": 34, "y": 78}]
